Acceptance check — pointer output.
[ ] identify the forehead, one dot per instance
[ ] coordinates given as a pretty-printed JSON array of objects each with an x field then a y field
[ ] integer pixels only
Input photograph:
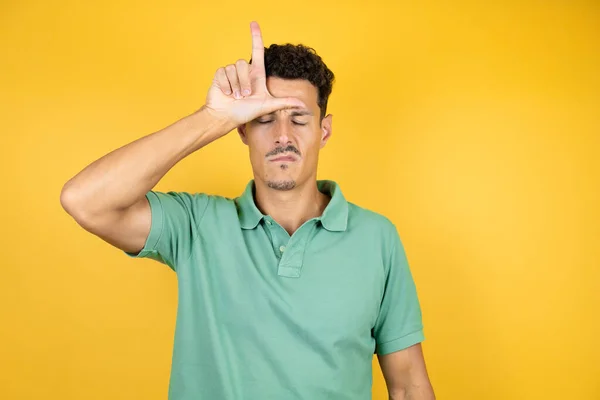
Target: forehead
[{"x": 299, "y": 88}]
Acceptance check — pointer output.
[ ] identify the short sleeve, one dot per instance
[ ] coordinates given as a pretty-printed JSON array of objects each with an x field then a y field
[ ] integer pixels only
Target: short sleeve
[
  {"x": 176, "y": 217},
  {"x": 399, "y": 323}
]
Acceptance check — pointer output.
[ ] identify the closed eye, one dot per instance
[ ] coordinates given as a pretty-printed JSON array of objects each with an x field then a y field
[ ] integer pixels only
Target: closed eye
[{"x": 294, "y": 122}]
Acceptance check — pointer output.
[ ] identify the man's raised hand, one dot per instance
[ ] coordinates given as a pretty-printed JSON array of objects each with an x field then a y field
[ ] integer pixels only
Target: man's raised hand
[{"x": 239, "y": 91}]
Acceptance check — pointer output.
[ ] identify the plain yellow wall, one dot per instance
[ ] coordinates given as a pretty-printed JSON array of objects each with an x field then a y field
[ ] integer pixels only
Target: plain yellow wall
[{"x": 474, "y": 126}]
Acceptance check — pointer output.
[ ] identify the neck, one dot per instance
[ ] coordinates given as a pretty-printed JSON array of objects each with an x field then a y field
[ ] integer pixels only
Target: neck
[{"x": 291, "y": 208}]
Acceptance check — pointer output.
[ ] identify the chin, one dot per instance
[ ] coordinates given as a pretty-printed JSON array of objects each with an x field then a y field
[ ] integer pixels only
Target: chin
[
  {"x": 281, "y": 184},
  {"x": 281, "y": 179}
]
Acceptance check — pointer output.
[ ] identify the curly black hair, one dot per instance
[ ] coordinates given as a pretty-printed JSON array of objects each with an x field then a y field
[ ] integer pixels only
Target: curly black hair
[{"x": 288, "y": 61}]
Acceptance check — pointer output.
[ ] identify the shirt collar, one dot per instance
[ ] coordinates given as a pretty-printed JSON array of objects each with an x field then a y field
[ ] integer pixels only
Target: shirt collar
[{"x": 334, "y": 218}]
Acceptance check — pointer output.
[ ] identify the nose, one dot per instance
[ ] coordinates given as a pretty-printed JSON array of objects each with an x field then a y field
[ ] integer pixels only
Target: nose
[{"x": 282, "y": 133}]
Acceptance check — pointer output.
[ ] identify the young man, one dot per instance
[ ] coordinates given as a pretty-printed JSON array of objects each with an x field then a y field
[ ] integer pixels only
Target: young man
[{"x": 287, "y": 291}]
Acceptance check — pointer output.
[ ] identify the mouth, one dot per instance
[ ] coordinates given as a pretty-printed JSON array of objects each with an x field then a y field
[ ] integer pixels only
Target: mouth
[{"x": 284, "y": 159}]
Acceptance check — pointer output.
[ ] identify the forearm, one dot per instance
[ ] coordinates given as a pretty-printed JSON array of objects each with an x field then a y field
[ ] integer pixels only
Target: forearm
[
  {"x": 424, "y": 392},
  {"x": 121, "y": 178}
]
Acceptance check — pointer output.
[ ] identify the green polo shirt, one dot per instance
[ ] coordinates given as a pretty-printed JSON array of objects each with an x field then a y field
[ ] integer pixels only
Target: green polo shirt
[{"x": 265, "y": 315}]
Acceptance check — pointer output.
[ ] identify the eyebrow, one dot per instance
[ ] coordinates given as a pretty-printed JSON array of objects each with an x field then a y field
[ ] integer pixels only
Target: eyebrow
[
  {"x": 295, "y": 113},
  {"x": 301, "y": 112}
]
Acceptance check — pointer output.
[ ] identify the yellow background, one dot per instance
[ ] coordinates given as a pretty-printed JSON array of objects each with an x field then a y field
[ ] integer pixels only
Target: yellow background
[{"x": 474, "y": 126}]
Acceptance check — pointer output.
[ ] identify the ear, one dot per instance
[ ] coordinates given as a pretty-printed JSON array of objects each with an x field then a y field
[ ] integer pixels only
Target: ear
[
  {"x": 242, "y": 132},
  {"x": 326, "y": 126}
]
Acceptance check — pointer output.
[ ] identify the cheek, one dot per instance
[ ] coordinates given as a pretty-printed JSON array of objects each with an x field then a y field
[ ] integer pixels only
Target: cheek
[
  {"x": 311, "y": 140},
  {"x": 259, "y": 142}
]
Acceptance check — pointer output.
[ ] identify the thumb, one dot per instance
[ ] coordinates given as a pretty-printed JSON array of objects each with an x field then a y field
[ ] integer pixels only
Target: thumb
[{"x": 282, "y": 103}]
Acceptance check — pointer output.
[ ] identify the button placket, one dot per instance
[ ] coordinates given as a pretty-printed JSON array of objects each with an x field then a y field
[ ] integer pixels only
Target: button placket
[
  {"x": 279, "y": 239},
  {"x": 292, "y": 255}
]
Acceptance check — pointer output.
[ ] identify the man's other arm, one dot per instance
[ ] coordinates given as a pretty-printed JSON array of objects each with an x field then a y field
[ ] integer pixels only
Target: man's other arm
[{"x": 405, "y": 374}]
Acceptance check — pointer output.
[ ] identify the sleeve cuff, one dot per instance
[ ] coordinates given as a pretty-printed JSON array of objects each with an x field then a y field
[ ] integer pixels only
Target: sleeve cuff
[
  {"x": 400, "y": 343},
  {"x": 156, "y": 228}
]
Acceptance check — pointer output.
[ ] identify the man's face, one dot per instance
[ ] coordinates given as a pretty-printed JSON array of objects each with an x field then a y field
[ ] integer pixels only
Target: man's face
[{"x": 284, "y": 146}]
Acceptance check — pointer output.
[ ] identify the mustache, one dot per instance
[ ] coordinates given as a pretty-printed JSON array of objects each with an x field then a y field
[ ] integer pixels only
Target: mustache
[{"x": 287, "y": 149}]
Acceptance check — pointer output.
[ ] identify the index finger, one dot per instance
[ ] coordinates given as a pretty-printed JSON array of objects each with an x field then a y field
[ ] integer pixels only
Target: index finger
[{"x": 258, "y": 49}]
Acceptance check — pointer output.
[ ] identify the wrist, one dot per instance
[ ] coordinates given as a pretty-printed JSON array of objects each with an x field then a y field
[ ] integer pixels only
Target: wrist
[
  {"x": 209, "y": 125},
  {"x": 211, "y": 119}
]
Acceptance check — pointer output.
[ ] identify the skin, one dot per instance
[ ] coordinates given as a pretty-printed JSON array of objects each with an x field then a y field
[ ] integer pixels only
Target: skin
[
  {"x": 405, "y": 374},
  {"x": 287, "y": 190}
]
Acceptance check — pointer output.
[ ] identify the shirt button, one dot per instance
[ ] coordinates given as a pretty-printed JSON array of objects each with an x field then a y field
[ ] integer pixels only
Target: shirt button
[
  {"x": 268, "y": 222},
  {"x": 282, "y": 248}
]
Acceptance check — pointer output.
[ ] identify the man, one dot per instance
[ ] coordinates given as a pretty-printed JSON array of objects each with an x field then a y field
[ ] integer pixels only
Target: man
[{"x": 287, "y": 291}]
